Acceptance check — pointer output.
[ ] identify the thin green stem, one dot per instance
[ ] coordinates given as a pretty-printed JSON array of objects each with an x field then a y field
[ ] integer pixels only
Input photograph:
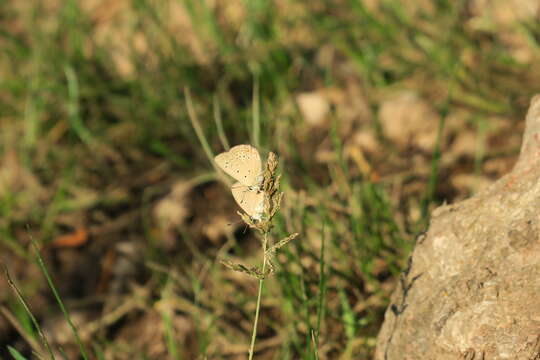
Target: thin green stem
[
  {"x": 26, "y": 307},
  {"x": 256, "y": 113},
  {"x": 259, "y": 295},
  {"x": 200, "y": 134},
  {"x": 197, "y": 125},
  {"x": 74, "y": 331},
  {"x": 219, "y": 124}
]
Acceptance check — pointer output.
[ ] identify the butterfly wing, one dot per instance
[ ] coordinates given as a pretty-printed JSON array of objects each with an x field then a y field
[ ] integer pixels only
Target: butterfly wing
[
  {"x": 250, "y": 200},
  {"x": 242, "y": 162}
]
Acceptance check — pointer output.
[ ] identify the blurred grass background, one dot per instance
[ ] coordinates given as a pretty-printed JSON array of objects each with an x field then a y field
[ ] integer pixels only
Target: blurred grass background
[{"x": 379, "y": 110}]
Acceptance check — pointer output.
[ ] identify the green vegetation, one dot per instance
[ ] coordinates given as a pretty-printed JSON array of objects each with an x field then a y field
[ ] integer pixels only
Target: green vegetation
[{"x": 101, "y": 165}]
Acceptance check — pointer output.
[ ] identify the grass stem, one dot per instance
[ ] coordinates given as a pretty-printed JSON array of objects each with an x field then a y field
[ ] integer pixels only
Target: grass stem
[
  {"x": 259, "y": 296},
  {"x": 200, "y": 134},
  {"x": 256, "y": 112},
  {"x": 23, "y": 302},
  {"x": 21, "y": 299},
  {"x": 219, "y": 124},
  {"x": 45, "y": 272}
]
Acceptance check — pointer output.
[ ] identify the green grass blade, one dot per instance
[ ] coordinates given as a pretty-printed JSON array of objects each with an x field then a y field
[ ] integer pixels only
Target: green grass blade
[
  {"x": 200, "y": 133},
  {"x": 73, "y": 107},
  {"x": 169, "y": 335},
  {"x": 45, "y": 272},
  {"x": 16, "y": 355},
  {"x": 219, "y": 124},
  {"x": 28, "y": 311},
  {"x": 348, "y": 316},
  {"x": 256, "y": 113},
  {"x": 322, "y": 285}
]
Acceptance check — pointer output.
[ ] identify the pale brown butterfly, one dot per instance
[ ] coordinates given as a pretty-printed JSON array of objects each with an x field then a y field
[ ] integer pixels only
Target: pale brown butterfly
[{"x": 243, "y": 163}]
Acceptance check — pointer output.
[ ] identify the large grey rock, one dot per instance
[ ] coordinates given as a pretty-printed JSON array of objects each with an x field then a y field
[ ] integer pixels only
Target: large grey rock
[{"x": 472, "y": 289}]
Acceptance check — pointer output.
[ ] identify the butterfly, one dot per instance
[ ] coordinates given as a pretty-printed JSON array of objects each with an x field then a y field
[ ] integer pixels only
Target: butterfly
[{"x": 243, "y": 163}]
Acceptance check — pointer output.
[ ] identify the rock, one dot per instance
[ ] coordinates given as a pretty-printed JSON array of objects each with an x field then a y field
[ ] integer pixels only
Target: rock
[
  {"x": 314, "y": 107},
  {"x": 472, "y": 287},
  {"x": 406, "y": 119}
]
